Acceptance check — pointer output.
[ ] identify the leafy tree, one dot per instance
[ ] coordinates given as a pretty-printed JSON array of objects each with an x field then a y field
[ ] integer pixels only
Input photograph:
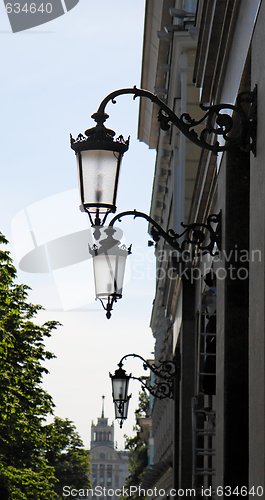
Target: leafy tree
[
  {"x": 35, "y": 459},
  {"x": 23, "y": 402},
  {"x": 143, "y": 405},
  {"x": 65, "y": 452},
  {"x": 137, "y": 459},
  {"x": 137, "y": 447},
  {"x": 27, "y": 484}
]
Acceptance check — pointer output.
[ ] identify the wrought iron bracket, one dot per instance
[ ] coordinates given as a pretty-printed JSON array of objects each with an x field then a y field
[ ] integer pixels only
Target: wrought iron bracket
[
  {"x": 165, "y": 371},
  {"x": 235, "y": 124},
  {"x": 205, "y": 236}
]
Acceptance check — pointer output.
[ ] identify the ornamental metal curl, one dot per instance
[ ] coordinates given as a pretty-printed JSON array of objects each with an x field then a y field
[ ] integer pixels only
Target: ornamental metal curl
[
  {"x": 238, "y": 130},
  {"x": 164, "y": 370},
  {"x": 160, "y": 390},
  {"x": 204, "y": 236}
]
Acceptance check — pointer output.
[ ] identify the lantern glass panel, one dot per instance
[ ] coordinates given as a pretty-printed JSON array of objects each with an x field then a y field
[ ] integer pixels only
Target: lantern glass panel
[
  {"x": 109, "y": 269},
  {"x": 121, "y": 409},
  {"x": 120, "y": 388},
  {"x": 98, "y": 171}
]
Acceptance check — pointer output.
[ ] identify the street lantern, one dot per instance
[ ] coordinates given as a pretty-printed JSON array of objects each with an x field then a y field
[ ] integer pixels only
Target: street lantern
[
  {"x": 161, "y": 387},
  {"x": 109, "y": 259},
  {"x": 120, "y": 385},
  {"x": 99, "y": 158}
]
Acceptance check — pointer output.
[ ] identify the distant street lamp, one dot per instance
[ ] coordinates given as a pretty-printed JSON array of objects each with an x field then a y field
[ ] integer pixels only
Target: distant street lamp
[
  {"x": 161, "y": 388},
  {"x": 120, "y": 384}
]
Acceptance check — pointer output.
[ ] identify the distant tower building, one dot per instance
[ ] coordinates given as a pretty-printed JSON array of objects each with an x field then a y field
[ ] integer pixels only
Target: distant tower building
[{"x": 109, "y": 467}]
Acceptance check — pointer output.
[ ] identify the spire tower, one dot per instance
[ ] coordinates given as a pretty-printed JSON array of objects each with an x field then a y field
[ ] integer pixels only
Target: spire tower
[{"x": 103, "y": 401}]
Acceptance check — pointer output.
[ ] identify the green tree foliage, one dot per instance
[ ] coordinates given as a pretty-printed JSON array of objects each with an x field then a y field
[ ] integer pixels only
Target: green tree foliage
[
  {"x": 65, "y": 452},
  {"x": 137, "y": 447},
  {"x": 137, "y": 459},
  {"x": 143, "y": 405},
  {"x": 24, "y": 473},
  {"x": 27, "y": 483},
  {"x": 25, "y": 470}
]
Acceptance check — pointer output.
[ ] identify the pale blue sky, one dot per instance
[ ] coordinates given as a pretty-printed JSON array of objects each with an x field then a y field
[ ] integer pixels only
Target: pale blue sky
[{"x": 53, "y": 79}]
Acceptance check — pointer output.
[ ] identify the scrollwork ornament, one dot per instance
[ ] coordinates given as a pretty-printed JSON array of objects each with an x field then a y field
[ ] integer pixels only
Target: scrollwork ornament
[
  {"x": 160, "y": 390},
  {"x": 236, "y": 128},
  {"x": 164, "y": 372},
  {"x": 203, "y": 236}
]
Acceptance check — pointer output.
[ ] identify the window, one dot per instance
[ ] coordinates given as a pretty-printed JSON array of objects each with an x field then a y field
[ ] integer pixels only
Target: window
[
  {"x": 101, "y": 474},
  {"x": 109, "y": 475},
  {"x": 94, "y": 475}
]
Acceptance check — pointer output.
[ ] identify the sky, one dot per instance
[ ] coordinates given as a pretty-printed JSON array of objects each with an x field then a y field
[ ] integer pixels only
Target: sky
[{"x": 53, "y": 78}]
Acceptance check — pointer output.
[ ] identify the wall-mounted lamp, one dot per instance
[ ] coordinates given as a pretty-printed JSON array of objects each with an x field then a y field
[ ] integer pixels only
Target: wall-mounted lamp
[
  {"x": 99, "y": 158},
  {"x": 161, "y": 388},
  {"x": 99, "y": 155},
  {"x": 109, "y": 255}
]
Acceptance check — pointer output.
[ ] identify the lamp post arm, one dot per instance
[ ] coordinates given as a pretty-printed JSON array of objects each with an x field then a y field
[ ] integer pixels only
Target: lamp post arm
[
  {"x": 160, "y": 390},
  {"x": 203, "y": 235},
  {"x": 165, "y": 369},
  {"x": 217, "y": 122}
]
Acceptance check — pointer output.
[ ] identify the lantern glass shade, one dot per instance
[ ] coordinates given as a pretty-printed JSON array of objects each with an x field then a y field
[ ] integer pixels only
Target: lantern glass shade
[
  {"x": 109, "y": 260},
  {"x": 121, "y": 409},
  {"x": 109, "y": 272},
  {"x": 99, "y": 157},
  {"x": 98, "y": 179}
]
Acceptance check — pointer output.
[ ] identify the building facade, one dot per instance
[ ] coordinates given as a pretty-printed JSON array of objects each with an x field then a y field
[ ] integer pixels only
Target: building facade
[
  {"x": 109, "y": 466},
  {"x": 208, "y": 313}
]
